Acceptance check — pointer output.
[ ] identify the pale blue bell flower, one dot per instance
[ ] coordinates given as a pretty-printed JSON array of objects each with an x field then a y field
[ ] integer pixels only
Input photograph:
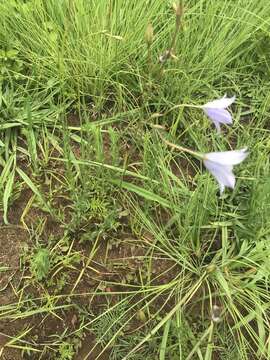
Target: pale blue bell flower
[
  {"x": 216, "y": 111},
  {"x": 220, "y": 165}
]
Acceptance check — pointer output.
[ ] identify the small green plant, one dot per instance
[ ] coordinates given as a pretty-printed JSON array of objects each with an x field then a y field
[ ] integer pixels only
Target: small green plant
[
  {"x": 10, "y": 63},
  {"x": 66, "y": 351},
  {"x": 108, "y": 329},
  {"x": 40, "y": 264},
  {"x": 93, "y": 212}
]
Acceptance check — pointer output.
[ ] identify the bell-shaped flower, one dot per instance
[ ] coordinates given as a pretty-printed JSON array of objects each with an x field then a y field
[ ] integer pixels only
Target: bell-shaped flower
[
  {"x": 216, "y": 111},
  {"x": 220, "y": 165}
]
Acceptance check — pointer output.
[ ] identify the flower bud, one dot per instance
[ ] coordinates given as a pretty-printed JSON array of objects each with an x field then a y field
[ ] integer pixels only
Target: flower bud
[
  {"x": 178, "y": 8},
  {"x": 149, "y": 34}
]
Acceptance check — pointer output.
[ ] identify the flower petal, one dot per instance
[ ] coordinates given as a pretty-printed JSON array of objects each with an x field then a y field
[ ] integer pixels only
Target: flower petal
[
  {"x": 222, "y": 103},
  {"x": 223, "y": 174},
  {"x": 227, "y": 157},
  {"x": 220, "y": 115}
]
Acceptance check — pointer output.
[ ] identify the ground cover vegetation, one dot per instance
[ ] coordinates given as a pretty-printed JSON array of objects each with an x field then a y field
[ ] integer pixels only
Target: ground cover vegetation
[{"x": 124, "y": 233}]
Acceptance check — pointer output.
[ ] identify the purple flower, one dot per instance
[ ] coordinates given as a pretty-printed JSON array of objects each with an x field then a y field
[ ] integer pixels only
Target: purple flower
[
  {"x": 220, "y": 165},
  {"x": 216, "y": 111}
]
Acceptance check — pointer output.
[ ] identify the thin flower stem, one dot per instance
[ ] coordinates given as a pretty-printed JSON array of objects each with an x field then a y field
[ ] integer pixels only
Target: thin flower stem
[
  {"x": 181, "y": 106},
  {"x": 149, "y": 58},
  {"x": 181, "y": 148},
  {"x": 179, "y": 13},
  {"x": 179, "y": 10}
]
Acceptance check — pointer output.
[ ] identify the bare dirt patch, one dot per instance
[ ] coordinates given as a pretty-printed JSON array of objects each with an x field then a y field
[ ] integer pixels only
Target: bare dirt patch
[{"x": 11, "y": 239}]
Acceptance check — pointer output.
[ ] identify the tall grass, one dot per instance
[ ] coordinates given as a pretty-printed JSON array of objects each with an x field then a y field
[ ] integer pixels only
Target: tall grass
[
  {"x": 90, "y": 57},
  {"x": 96, "y": 49}
]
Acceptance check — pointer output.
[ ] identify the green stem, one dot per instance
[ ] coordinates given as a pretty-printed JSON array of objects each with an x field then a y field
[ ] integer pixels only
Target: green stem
[
  {"x": 149, "y": 58},
  {"x": 181, "y": 148},
  {"x": 177, "y": 25},
  {"x": 182, "y": 106}
]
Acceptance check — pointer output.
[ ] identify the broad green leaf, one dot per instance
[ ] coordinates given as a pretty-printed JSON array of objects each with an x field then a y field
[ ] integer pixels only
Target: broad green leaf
[
  {"x": 33, "y": 187},
  {"x": 146, "y": 194}
]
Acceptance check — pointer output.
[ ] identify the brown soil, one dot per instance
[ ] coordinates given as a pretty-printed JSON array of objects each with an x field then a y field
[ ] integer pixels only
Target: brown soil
[
  {"x": 115, "y": 262},
  {"x": 11, "y": 240},
  {"x": 89, "y": 350}
]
